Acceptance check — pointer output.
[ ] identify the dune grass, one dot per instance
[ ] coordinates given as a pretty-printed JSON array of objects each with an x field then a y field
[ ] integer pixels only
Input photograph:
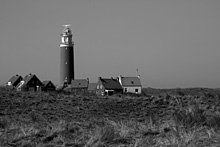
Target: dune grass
[
  {"x": 110, "y": 133},
  {"x": 55, "y": 120}
]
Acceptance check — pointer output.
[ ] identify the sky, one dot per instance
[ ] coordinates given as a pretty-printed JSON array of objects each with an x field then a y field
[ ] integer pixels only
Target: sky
[{"x": 172, "y": 43}]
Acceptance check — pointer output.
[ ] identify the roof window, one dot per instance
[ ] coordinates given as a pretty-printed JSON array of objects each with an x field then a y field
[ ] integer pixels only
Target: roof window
[{"x": 9, "y": 83}]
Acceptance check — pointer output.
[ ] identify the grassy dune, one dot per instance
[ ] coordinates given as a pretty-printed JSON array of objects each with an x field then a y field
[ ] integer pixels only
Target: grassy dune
[{"x": 169, "y": 118}]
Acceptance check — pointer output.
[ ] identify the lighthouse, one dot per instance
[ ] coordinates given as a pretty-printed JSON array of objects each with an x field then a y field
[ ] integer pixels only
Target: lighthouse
[{"x": 66, "y": 56}]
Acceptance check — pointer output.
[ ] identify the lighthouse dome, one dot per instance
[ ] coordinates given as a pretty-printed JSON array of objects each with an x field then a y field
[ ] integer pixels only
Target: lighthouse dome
[{"x": 67, "y": 31}]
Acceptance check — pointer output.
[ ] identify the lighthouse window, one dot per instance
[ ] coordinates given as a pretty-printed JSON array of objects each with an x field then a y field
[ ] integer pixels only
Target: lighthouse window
[
  {"x": 62, "y": 39},
  {"x": 66, "y": 39}
]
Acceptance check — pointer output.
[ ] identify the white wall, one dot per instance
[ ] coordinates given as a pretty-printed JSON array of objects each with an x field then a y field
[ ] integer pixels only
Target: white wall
[{"x": 132, "y": 89}]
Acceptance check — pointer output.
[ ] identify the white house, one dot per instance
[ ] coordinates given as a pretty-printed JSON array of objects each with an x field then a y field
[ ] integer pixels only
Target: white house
[{"x": 131, "y": 84}]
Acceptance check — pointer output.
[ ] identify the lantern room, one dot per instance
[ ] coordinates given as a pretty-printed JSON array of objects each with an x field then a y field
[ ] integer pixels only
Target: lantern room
[{"x": 66, "y": 36}]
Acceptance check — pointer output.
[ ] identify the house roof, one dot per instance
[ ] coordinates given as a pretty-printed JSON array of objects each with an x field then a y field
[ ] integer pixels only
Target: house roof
[
  {"x": 14, "y": 79},
  {"x": 45, "y": 82},
  {"x": 130, "y": 81},
  {"x": 28, "y": 78},
  {"x": 79, "y": 83},
  {"x": 110, "y": 84},
  {"x": 92, "y": 86}
]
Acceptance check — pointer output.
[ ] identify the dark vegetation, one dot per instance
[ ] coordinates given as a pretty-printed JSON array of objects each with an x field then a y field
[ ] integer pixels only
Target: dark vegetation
[{"x": 158, "y": 117}]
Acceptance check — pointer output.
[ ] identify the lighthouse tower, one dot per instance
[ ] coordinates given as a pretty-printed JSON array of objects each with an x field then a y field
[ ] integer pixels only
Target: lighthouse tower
[{"x": 66, "y": 56}]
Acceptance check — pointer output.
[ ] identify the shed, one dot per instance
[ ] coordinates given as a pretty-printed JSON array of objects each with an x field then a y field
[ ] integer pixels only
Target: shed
[{"x": 48, "y": 86}]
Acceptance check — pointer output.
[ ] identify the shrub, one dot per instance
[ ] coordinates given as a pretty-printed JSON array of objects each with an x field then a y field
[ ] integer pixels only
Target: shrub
[{"x": 4, "y": 123}]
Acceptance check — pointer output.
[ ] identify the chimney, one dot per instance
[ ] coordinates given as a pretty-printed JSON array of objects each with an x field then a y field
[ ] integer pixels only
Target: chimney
[
  {"x": 120, "y": 79},
  {"x": 137, "y": 74},
  {"x": 88, "y": 80}
]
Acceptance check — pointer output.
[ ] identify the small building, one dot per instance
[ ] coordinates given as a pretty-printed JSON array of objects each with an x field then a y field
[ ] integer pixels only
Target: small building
[
  {"x": 30, "y": 83},
  {"x": 108, "y": 86},
  {"x": 48, "y": 86},
  {"x": 131, "y": 84},
  {"x": 92, "y": 87},
  {"x": 80, "y": 84},
  {"x": 14, "y": 81}
]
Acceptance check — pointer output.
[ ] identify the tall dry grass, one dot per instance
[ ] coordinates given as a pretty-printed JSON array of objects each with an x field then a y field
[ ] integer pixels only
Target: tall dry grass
[
  {"x": 188, "y": 125},
  {"x": 111, "y": 133}
]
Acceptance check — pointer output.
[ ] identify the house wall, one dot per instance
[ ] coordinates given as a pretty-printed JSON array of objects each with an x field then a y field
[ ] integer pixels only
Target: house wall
[
  {"x": 33, "y": 85},
  {"x": 29, "y": 88},
  {"x": 48, "y": 88},
  {"x": 32, "y": 88},
  {"x": 100, "y": 89},
  {"x": 92, "y": 91},
  {"x": 132, "y": 89}
]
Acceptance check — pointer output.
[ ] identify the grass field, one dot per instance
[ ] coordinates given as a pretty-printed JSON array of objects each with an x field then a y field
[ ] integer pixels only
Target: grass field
[{"x": 157, "y": 118}]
